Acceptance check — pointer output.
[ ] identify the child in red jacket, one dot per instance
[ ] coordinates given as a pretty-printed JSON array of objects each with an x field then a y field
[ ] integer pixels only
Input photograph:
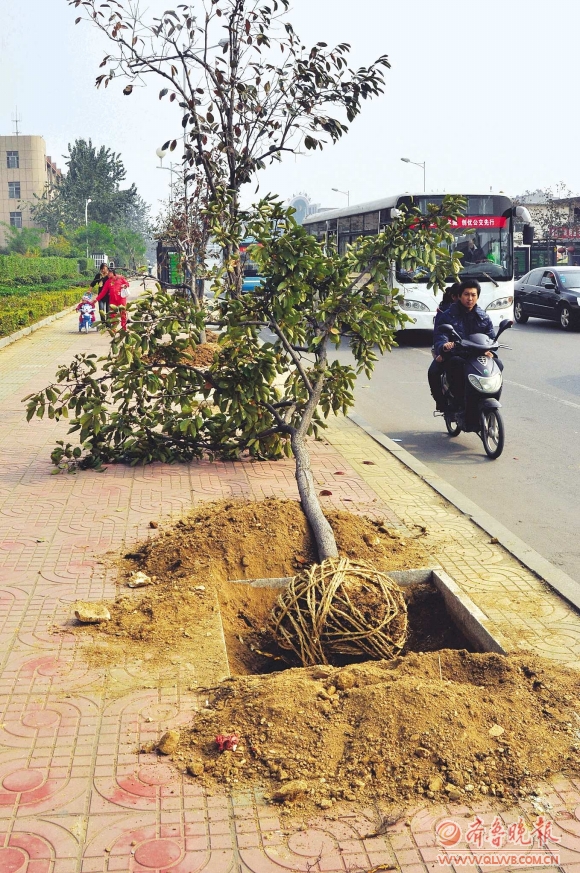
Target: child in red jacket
[{"x": 116, "y": 288}]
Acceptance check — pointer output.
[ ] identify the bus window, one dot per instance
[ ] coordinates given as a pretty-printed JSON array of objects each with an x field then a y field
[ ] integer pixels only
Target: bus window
[{"x": 371, "y": 222}]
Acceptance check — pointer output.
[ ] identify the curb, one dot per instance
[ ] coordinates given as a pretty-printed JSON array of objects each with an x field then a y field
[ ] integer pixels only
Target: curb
[
  {"x": 563, "y": 584},
  {"x": 26, "y": 331}
]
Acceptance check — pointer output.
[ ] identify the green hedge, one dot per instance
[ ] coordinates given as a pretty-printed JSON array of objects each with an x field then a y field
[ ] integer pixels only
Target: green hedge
[
  {"x": 87, "y": 265},
  {"x": 18, "y": 311},
  {"x": 18, "y": 270},
  {"x": 26, "y": 290}
]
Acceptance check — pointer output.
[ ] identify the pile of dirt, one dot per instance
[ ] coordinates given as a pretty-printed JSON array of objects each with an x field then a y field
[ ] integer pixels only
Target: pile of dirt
[
  {"x": 445, "y": 724},
  {"x": 201, "y": 356},
  {"x": 243, "y": 539},
  {"x": 192, "y": 562},
  {"x": 450, "y": 725}
]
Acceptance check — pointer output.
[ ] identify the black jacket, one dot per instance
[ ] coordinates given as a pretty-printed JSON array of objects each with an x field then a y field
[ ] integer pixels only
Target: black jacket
[
  {"x": 98, "y": 283},
  {"x": 464, "y": 321}
]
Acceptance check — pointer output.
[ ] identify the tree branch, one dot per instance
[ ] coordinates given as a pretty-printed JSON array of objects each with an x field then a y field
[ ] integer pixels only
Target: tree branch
[{"x": 274, "y": 326}]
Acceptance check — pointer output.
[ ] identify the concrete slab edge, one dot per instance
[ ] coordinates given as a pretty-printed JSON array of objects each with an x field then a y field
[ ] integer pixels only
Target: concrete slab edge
[
  {"x": 466, "y": 615},
  {"x": 563, "y": 584},
  {"x": 26, "y": 331}
]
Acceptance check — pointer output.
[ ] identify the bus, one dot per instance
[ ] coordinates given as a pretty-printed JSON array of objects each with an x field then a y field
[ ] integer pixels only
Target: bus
[
  {"x": 483, "y": 235},
  {"x": 251, "y": 278}
]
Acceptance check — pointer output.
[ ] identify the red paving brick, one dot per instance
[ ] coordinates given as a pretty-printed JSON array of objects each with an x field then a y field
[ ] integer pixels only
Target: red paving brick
[{"x": 75, "y": 792}]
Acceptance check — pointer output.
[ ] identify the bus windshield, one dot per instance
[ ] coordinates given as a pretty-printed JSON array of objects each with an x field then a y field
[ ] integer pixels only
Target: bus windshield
[
  {"x": 485, "y": 251},
  {"x": 483, "y": 237}
]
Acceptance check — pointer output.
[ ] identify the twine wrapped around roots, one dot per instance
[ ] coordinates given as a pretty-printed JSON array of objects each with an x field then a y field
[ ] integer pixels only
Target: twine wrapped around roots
[{"x": 340, "y": 608}]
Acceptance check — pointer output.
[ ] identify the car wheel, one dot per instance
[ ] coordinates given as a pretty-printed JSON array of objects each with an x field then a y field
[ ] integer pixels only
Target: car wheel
[
  {"x": 519, "y": 315},
  {"x": 565, "y": 316}
]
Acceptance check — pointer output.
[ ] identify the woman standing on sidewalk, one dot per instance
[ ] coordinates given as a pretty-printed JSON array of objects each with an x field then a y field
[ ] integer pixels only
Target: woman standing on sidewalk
[
  {"x": 115, "y": 291},
  {"x": 98, "y": 283}
]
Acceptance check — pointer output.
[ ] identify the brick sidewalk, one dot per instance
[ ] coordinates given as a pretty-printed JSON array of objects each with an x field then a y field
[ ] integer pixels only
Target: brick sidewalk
[{"x": 75, "y": 795}]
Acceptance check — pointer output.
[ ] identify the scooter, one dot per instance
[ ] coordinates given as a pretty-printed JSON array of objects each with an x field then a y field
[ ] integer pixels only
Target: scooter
[
  {"x": 483, "y": 384},
  {"x": 86, "y": 322}
]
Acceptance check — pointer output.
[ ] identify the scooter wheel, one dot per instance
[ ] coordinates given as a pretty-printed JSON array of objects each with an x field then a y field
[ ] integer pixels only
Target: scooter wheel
[
  {"x": 453, "y": 428},
  {"x": 492, "y": 433}
]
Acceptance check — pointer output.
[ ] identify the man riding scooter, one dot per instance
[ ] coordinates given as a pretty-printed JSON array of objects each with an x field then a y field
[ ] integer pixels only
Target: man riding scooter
[{"x": 466, "y": 318}]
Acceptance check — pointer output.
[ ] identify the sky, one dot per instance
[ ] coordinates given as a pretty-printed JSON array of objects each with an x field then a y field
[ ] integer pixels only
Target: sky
[{"x": 475, "y": 90}]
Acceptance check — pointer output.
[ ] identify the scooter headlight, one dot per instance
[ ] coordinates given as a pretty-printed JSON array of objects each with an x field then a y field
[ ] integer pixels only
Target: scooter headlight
[{"x": 486, "y": 384}]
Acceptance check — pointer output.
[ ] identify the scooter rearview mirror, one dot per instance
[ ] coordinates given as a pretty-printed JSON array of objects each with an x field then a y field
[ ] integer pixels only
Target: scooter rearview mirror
[{"x": 505, "y": 324}]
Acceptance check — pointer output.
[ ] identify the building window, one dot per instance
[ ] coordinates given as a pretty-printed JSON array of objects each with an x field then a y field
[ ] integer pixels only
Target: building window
[
  {"x": 12, "y": 160},
  {"x": 16, "y": 219},
  {"x": 14, "y": 190}
]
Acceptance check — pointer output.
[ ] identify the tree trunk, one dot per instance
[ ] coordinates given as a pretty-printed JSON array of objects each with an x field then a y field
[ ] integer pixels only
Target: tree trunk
[
  {"x": 323, "y": 533},
  {"x": 197, "y": 289}
]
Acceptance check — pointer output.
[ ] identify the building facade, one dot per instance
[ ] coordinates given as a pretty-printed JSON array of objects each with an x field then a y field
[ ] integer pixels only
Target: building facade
[
  {"x": 303, "y": 206},
  {"x": 556, "y": 223},
  {"x": 25, "y": 170}
]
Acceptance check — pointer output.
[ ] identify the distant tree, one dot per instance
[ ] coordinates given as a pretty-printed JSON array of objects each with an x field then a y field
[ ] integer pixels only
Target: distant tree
[
  {"x": 547, "y": 209},
  {"x": 22, "y": 241},
  {"x": 138, "y": 217},
  {"x": 128, "y": 248},
  {"x": 94, "y": 173},
  {"x": 100, "y": 238},
  {"x": 184, "y": 222},
  {"x": 61, "y": 246},
  {"x": 246, "y": 88}
]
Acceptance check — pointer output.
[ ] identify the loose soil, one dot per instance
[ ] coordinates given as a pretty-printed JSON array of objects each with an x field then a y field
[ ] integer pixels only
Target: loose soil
[
  {"x": 449, "y": 725},
  {"x": 194, "y": 559},
  {"x": 201, "y": 356}
]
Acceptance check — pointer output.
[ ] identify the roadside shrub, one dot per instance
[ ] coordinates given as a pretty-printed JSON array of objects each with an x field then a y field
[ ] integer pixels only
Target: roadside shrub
[
  {"x": 19, "y": 270},
  {"x": 86, "y": 266},
  {"x": 26, "y": 290},
  {"x": 20, "y": 310}
]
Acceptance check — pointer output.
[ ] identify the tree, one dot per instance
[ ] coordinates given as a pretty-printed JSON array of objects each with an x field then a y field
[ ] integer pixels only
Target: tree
[
  {"x": 549, "y": 209},
  {"x": 23, "y": 241},
  {"x": 94, "y": 174},
  {"x": 138, "y": 217},
  {"x": 246, "y": 88},
  {"x": 185, "y": 224},
  {"x": 151, "y": 400},
  {"x": 128, "y": 248}
]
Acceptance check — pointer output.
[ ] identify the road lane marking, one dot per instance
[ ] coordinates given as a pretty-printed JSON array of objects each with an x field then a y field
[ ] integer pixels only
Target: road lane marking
[
  {"x": 543, "y": 394},
  {"x": 524, "y": 387}
]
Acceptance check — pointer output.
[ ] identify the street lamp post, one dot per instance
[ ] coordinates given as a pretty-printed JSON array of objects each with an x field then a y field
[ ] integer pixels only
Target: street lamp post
[
  {"x": 161, "y": 154},
  {"x": 346, "y": 193},
  {"x": 417, "y": 164},
  {"x": 87, "y": 222}
]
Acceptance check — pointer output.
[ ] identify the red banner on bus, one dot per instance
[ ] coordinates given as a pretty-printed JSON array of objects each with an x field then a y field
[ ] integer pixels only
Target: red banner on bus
[{"x": 480, "y": 221}]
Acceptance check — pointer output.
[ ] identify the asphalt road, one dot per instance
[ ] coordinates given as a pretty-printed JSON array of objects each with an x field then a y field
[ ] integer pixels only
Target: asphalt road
[{"x": 534, "y": 487}]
